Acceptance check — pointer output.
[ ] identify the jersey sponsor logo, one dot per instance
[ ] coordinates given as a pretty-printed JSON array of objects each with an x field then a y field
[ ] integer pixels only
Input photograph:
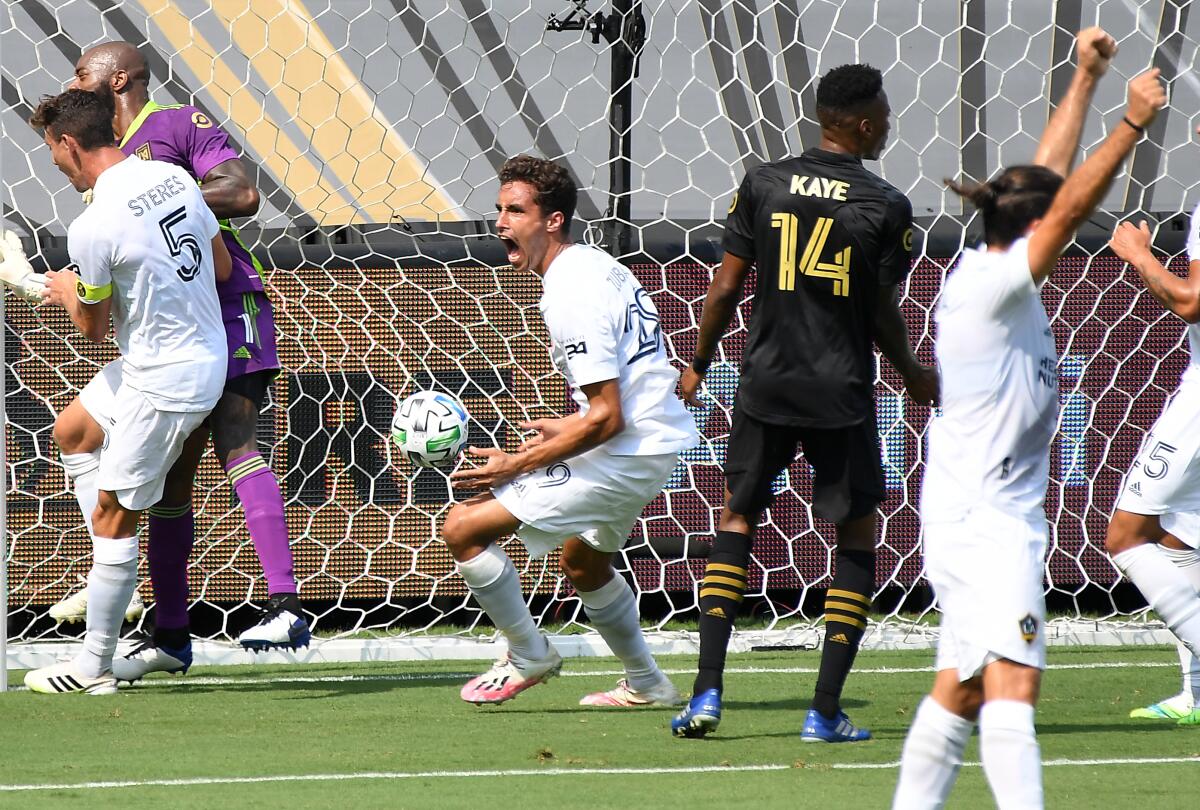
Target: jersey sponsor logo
[
  {"x": 1048, "y": 372},
  {"x": 823, "y": 187},
  {"x": 143, "y": 152},
  {"x": 201, "y": 120},
  {"x": 1136, "y": 488},
  {"x": 1029, "y": 628},
  {"x": 242, "y": 353},
  {"x": 572, "y": 349},
  {"x": 906, "y": 240}
]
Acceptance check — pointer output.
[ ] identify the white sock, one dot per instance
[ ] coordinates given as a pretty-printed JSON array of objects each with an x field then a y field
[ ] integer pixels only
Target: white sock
[
  {"x": 494, "y": 583},
  {"x": 933, "y": 753},
  {"x": 1166, "y": 588},
  {"x": 1187, "y": 561},
  {"x": 82, "y": 469},
  {"x": 1011, "y": 757},
  {"x": 110, "y": 586},
  {"x": 612, "y": 609}
]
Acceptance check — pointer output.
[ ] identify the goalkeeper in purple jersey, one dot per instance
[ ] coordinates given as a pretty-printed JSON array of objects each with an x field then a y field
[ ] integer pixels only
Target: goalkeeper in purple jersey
[{"x": 185, "y": 136}]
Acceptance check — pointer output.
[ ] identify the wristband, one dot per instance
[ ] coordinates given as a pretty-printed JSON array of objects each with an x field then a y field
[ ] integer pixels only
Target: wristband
[
  {"x": 1133, "y": 126},
  {"x": 699, "y": 365}
]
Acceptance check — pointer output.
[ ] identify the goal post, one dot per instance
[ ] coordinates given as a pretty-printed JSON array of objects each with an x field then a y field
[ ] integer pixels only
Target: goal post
[{"x": 374, "y": 132}]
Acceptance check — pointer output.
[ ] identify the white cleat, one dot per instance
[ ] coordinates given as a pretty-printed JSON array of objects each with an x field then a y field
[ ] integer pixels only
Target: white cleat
[
  {"x": 63, "y": 678},
  {"x": 74, "y": 607},
  {"x": 509, "y": 677},
  {"x": 146, "y": 658},
  {"x": 662, "y": 694},
  {"x": 278, "y": 629}
]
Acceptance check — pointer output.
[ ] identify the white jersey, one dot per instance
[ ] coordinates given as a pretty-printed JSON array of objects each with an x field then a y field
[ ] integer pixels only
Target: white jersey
[
  {"x": 999, "y": 370},
  {"x": 146, "y": 242},
  {"x": 1191, "y": 374},
  {"x": 604, "y": 326}
]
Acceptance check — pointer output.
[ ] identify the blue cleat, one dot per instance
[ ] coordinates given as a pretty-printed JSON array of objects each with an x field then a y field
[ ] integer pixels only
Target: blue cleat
[
  {"x": 839, "y": 729},
  {"x": 700, "y": 716}
]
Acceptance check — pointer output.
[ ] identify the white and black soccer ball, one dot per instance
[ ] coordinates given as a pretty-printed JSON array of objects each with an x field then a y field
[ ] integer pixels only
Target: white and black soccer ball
[{"x": 430, "y": 428}]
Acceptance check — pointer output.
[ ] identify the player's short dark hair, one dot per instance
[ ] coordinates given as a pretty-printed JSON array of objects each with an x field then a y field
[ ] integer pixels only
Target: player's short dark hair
[
  {"x": 85, "y": 116},
  {"x": 847, "y": 88},
  {"x": 553, "y": 186},
  {"x": 1011, "y": 200}
]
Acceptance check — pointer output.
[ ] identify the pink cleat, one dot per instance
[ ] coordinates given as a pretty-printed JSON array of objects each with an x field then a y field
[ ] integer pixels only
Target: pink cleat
[
  {"x": 663, "y": 694},
  {"x": 509, "y": 677}
]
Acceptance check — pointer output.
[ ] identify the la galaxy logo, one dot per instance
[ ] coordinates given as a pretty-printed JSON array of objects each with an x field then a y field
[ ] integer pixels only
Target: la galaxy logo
[{"x": 1029, "y": 628}]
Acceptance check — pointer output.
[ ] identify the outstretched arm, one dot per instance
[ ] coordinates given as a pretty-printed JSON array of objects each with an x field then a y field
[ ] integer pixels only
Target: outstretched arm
[
  {"x": 1082, "y": 191},
  {"x": 1179, "y": 295},
  {"x": 1060, "y": 142}
]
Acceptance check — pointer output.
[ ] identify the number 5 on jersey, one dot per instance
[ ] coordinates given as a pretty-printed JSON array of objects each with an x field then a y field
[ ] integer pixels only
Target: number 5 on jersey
[{"x": 837, "y": 270}]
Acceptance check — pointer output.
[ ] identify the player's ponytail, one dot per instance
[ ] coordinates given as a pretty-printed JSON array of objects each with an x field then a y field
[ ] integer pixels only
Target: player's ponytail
[{"x": 1010, "y": 201}]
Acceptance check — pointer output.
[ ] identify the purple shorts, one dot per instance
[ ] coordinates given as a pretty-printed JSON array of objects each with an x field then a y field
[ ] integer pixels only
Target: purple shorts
[{"x": 250, "y": 334}]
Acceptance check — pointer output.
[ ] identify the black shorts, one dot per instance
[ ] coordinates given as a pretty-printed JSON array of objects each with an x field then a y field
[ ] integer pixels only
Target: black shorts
[{"x": 847, "y": 472}]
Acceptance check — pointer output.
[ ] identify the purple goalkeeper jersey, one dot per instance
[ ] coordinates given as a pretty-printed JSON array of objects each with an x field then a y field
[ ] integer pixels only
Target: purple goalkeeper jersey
[{"x": 185, "y": 136}]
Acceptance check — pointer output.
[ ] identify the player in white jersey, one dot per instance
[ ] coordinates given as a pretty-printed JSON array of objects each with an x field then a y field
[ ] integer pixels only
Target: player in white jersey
[
  {"x": 147, "y": 253},
  {"x": 982, "y": 501},
  {"x": 1154, "y": 534},
  {"x": 582, "y": 481}
]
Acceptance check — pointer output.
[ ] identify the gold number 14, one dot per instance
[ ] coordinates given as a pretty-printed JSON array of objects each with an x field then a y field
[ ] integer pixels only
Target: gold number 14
[{"x": 810, "y": 262}]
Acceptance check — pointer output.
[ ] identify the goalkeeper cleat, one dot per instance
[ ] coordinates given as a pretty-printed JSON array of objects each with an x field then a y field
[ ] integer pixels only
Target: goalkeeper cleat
[
  {"x": 74, "y": 607},
  {"x": 509, "y": 677},
  {"x": 146, "y": 658},
  {"x": 63, "y": 678},
  {"x": 278, "y": 628},
  {"x": 663, "y": 693},
  {"x": 701, "y": 716},
  {"x": 1173, "y": 708},
  {"x": 838, "y": 730}
]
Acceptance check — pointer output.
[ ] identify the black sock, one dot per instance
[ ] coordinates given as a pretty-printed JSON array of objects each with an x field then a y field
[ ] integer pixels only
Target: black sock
[
  {"x": 174, "y": 638},
  {"x": 289, "y": 601},
  {"x": 721, "y": 594},
  {"x": 847, "y": 603}
]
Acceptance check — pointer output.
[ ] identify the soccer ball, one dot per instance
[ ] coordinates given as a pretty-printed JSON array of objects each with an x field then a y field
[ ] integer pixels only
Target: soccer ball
[{"x": 430, "y": 428}]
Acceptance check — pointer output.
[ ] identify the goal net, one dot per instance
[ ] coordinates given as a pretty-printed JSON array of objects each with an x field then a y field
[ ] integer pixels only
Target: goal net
[{"x": 375, "y": 130}]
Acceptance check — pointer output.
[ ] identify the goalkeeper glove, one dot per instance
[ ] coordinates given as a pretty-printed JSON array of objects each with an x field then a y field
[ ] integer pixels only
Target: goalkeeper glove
[{"x": 15, "y": 270}]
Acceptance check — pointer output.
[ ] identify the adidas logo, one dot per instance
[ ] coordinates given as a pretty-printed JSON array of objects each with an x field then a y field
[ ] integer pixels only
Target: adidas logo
[
  {"x": 840, "y": 638},
  {"x": 1136, "y": 488},
  {"x": 716, "y": 613},
  {"x": 242, "y": 353}
]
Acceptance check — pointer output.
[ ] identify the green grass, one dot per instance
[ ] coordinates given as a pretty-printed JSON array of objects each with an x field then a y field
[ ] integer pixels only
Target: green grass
[{"x": 407, "y": 718}]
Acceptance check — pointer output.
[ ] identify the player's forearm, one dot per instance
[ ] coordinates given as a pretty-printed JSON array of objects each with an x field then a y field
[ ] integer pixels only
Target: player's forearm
[
  {"x": 719, "y": 306},
  {"x": 577, "y": 436},
  {"x": 230, "y": 196},
  {"x": 88, "y": 322},
  {"x": 1086, "y": 185},
  {"x": 1179, "y": 295},
  {"x": 1060, "y": 141},
  {"x": 891, "y": 336}
]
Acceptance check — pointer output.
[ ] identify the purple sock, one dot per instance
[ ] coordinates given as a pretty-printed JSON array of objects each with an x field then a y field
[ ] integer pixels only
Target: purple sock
[
  {"x": 262, "y": 502},
  {"x": 172, "y": 530}
]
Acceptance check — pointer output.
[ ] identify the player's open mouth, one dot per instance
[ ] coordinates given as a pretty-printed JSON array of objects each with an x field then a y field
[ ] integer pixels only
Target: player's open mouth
[{"x": 513, "y": 250}]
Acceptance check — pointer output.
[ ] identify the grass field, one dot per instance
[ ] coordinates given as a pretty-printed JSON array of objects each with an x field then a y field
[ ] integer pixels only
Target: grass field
[{"x": 396, "y": 735}]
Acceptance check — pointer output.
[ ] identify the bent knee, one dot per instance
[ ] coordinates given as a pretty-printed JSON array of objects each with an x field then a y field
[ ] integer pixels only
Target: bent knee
[{"x": 457, "y": 530}]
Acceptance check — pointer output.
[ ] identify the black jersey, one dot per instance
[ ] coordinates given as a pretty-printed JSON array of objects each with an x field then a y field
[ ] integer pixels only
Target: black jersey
[{"x": 825, "y": 234}]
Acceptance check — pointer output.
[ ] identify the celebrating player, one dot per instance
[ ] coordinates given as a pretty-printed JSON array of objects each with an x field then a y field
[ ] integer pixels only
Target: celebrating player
[
  {"x": 186, "y": 137},
  {"x": 1154, "y": 534},
  {"x": 831, "y": 241},
  {"x": 145, "y": 251},
  {"x": 583, "y": 480},
  {"x": 982, "y": 503}
]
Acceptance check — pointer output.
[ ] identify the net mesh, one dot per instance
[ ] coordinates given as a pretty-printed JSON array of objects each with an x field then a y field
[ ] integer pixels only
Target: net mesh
[{"x": 375, "y": 130}]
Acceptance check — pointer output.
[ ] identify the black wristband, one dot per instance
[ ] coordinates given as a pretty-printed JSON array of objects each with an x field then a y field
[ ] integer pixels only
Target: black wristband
[
  {"x": 700, "y": 365},
  {"x": 1135, "y": 127}
]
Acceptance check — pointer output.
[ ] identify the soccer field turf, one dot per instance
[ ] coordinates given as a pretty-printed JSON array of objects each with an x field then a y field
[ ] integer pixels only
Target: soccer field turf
[{"x": 397, "y": 735}]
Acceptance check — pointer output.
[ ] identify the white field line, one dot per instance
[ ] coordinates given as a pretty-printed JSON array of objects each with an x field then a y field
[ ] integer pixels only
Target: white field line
[
  {"x": 343, "y": 777},
  {"x": 214, "y": 680}
]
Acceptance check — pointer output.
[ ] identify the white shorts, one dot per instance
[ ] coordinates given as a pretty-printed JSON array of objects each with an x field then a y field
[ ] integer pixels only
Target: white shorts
[
  {"x": 1165, "y": 476},
  {"x": 140, "y": 441},
  {"x": 987, "y": 571},
  {"x": 595, "y": 496}
]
